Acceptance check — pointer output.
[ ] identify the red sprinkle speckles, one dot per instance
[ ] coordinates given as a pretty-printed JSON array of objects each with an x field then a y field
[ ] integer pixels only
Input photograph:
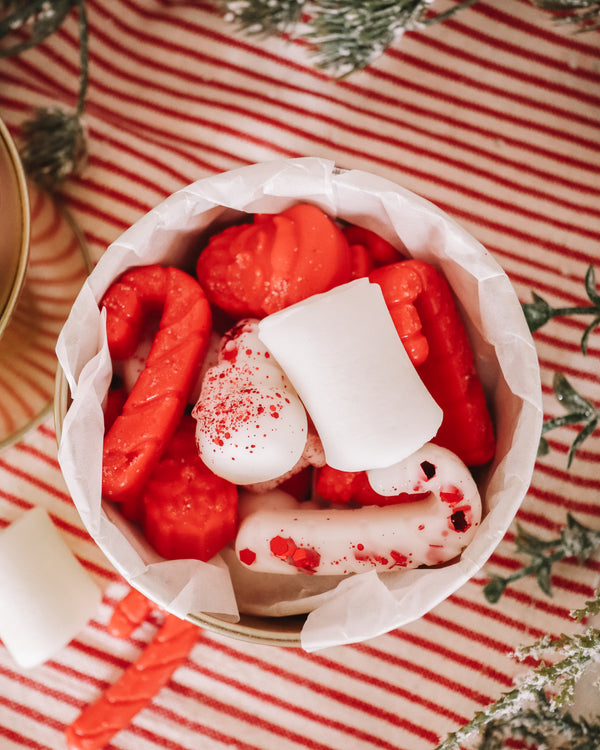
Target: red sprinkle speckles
[
  {"x": 247, "y": 556},
  {"x": 400, "y": 560},
  {"x": 370, "y": 558},
  {"x": 304, "y": 558}
]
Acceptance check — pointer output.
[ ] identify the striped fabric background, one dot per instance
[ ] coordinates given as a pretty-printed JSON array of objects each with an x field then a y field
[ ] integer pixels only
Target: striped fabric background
[{"x": 494, "y": 116}]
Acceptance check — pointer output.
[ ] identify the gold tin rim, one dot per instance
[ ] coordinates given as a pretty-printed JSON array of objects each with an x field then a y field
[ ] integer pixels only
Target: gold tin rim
[
  {"x": 23, "y": 253},
  {"x": 269, "y": 631}
]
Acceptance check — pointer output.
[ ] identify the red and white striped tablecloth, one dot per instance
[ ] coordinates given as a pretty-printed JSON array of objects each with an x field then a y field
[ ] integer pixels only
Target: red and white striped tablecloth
[{"x": 495, "y": 117}]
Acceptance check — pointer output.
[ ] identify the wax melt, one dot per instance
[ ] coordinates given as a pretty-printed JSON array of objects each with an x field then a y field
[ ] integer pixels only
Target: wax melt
[
  {"x": 46, "y": 596},
  {"x": 342, "y": 354}
]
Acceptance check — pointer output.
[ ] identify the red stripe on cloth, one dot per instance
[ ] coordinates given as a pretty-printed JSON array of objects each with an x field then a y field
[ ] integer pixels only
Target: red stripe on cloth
[
  {"x": 190, "y": 94},
  {"x": 293, "y": 707},
  {"x": 300, "y": 679},
  {"x": 542, "y": 31}
]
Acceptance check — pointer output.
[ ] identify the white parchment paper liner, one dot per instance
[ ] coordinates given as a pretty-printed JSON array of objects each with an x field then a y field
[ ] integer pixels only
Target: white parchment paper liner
[{"x": 361, "y": 606}]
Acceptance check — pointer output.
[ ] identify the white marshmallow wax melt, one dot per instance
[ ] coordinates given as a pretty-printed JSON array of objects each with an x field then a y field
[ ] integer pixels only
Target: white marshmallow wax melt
[
  {"x": 46, "y": 597},
  {"x": 251, "y": 425},
  {"x": 342, "y": 354}
]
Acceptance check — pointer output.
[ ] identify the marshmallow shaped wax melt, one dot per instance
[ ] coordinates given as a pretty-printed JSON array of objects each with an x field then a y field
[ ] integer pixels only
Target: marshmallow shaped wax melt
[
  {"x": 343, "y": 356},
  {"x": 46, "y": 597}
]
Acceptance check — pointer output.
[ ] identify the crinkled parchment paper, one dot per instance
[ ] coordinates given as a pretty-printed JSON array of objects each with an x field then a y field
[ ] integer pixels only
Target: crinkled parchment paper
[{"x": 341, "y": 610}]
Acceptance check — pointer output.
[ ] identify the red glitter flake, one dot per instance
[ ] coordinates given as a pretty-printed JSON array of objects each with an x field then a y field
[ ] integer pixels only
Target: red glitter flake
[
  {"x": 452, "y": 495},
  {"x": 428, "y": 469},
  {"x": 229, "y": 352},
  {"x": 459, "y": 520},
  {"x": 247, "y": 556},
  {"x": 304, "y": 558}
]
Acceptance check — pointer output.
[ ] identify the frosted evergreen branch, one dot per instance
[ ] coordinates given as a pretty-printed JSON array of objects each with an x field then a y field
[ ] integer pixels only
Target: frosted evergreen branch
[
  {"x": 344, "y": 35},
  {"x": 264, "y": 17},
  {"x": 54, "y": 140},
  {"x": 583, "y": 14},
  {"x": 526, "y": 715},
  {"x": 26, "y": 23},
  {"x": 535, "y": 710}
]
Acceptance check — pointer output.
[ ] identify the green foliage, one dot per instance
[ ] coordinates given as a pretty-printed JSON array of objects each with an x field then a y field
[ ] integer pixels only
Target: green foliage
[
  {"x": 264, "y": 17},
  {"x": 579, "y": 409},
  {"x": 54, "y": 141},
  {"x": 539, "y": 312},
  {"x": 26, "y": 23},
  {"x": 536, "y": 711},
  {"x": 575, "y": 541},
  {"x": 344, "y": 35},
  {"x": 583, "y": 14},
  {"x": 348, "y": 35}
]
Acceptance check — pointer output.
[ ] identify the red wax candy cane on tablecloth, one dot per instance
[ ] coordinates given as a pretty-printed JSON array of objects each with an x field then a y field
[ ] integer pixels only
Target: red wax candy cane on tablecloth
[
  {"x": 329, "y": 541},
  {"x": 140, "y": 682},
  {"x": 158, "y": 399},
  {"x": 422, "y": 307},
  {"x": 129, "y": 613}
]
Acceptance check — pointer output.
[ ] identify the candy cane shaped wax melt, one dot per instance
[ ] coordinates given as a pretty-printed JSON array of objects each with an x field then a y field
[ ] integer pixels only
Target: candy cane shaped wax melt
[
  {"x": 251, "y": 425},
  {"x": 285, "y": 536},
  {"x": 342, "y": 354}
]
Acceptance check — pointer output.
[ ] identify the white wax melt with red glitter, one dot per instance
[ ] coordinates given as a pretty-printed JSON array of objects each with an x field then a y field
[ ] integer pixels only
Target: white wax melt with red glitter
[
  {"x": 252, "y": 427},
  {"x": 279, "y": 536}
]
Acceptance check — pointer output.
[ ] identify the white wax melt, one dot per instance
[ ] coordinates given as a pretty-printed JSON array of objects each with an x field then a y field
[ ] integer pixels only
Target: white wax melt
[
  {"x": 342, "y": 354},
  {"x": 251, "y": 425},
  {"x": 46, "y": 597}
]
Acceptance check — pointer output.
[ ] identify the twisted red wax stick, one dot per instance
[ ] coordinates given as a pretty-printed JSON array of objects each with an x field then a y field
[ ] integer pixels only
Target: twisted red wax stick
[
  {"x": 140, "y": 682},
  {"x": 129, "y": 613}
]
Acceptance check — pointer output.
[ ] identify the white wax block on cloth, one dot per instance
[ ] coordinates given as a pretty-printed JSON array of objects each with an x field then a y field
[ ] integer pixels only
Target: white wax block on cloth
[
  {"x": 343, "y": 356},
  {"x": 46, "y": 596}
]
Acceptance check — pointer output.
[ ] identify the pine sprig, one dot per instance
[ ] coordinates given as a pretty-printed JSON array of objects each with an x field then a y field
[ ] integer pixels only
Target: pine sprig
[
  {"x": 54, "y": 140},
  {"x": 575, "y": 541},
  {"x": 527, "y": 715},
  {"x": 264, "y": 17},
  {"x": 539, "y": 312},
  {"x": 583, "y": 14},
  {"x": 579, "y": 411},
  {"x": 26, "y": 23},
  {"x": 343, "y": 35},
  {"x": 348, "y": 35},
  {"x": 536, "y": 709}
]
